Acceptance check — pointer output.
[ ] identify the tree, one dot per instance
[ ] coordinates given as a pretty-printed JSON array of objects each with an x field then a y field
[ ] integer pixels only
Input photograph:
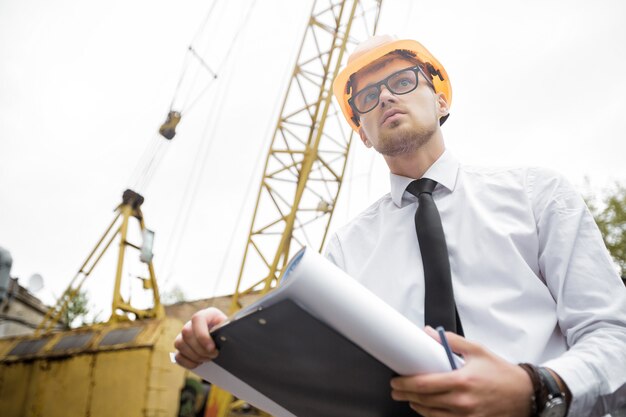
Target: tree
[
  {"x": 78, "y": 311},
  {"x": 173, "y": 295},
  {"x": 611, "y": 220}
]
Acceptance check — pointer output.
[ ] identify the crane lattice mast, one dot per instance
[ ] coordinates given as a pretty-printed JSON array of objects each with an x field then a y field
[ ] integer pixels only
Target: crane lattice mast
[{"x": 307, "y": 158}]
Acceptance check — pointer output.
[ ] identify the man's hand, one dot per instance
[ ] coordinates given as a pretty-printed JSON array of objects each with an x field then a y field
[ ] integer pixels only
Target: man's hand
[
  {"x": 486, "y": 386},
  {"x": 194, "y": 343}
]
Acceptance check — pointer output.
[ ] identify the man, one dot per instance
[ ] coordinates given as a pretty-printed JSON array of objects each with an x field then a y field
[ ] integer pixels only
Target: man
[{"x": 510, "y": 259}]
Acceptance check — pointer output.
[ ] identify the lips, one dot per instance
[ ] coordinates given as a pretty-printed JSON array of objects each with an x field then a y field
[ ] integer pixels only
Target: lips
[{"x": 388, "y": 114}]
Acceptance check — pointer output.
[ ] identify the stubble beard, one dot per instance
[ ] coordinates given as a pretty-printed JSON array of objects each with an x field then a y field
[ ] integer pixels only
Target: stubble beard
[{"x": 403, "y": 141}]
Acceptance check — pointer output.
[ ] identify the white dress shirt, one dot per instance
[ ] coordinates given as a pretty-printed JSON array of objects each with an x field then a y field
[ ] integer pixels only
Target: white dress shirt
[{"x": 532, "y": 278}]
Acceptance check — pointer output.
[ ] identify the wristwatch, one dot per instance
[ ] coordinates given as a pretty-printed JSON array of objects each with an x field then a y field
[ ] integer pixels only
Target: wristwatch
[{"x": 551, "y": 401}]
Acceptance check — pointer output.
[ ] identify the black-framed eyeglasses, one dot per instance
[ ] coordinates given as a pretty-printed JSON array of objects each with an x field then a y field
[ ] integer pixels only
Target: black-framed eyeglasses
[{"x": 401, "y": 82}]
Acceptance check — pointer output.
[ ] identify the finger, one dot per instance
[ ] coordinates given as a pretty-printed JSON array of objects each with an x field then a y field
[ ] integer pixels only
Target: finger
[
  {"x": 432, "y": 333},
  {"x": 429, "y": 412},
  {"x": 406, "y": 396},
  {"x": 436, "y": 383},
  {"x": 202, "y": 322},
  {"x": 190, "y": 345},
  {"x": 184, "y": 347},
  {"x": 185, "y": 362},
  {"x": 461, "y": 345},
  {"x": 445, "y": 401}
]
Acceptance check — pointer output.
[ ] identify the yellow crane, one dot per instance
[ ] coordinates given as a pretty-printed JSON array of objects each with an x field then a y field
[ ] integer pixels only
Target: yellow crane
[
  {"x": 125, "y": 360},
  {"x": 129, "y": 209},
  {"x": 306, "y": 162},
  {"x": 120, "y": 367}
]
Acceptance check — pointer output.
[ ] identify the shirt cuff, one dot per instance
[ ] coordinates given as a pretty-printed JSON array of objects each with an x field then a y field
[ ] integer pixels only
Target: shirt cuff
[{"x": 577, "y": 376}]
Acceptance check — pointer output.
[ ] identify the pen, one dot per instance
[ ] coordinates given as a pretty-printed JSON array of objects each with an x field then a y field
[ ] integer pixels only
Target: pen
[{"x": 446, "y": 346}]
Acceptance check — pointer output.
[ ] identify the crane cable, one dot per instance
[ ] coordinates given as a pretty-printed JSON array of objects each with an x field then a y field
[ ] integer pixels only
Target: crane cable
[
  {"x": 190, "y": 48},
  {"x": 188, "y": 199},
  {"x": 271, "y": 125},
  {"x": 153, "y": 153},
  {"x": 200, "y": 162},
  {"x": 156, "y": 148}
]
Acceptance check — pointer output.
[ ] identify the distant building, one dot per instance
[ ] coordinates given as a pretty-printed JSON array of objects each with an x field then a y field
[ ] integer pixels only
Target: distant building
[{"x": 20, "y": 311}]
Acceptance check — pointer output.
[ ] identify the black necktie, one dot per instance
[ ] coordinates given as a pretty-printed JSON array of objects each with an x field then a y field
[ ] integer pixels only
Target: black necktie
[{"x": 439, "y": 306}]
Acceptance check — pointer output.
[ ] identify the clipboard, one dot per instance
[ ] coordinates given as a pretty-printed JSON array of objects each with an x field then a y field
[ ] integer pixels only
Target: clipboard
[
  {"x": 301, "y": 350},
  {"x": 305, "y": 366}
]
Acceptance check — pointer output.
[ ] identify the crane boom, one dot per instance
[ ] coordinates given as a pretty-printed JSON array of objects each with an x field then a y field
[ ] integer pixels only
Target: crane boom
[
  {"x": 130, "y": 208},
  {"x": 306, "y": 162},
  {"x": 307, "y": 158}
]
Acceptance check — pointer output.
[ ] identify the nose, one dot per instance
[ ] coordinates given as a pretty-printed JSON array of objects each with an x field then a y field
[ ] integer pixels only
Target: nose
[{"x": 386, "y": 96}]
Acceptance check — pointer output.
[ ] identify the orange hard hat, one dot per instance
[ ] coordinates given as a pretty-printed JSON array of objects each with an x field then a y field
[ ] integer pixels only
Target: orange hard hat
[{"x": 375, "y": 48}]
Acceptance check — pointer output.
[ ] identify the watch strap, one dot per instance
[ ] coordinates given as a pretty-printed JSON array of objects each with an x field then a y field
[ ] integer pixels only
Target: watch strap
[
  {"x": 535, "y": 379},
  {"x": 552, "y": 388},
  {"x": 545, "y": 389}
]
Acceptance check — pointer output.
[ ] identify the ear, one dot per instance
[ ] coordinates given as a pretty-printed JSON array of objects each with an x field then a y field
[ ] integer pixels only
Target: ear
[
  {"x": 442, "y": 105},
  {"x": 364, "y": 139}
]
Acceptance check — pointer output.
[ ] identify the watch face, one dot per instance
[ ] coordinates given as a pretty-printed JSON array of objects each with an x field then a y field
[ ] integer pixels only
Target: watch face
[{"x": 555, "y": 407}]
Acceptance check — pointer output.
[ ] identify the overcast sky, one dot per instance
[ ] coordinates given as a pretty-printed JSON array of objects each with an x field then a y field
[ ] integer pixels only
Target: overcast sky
[{"x": 84, "y": 87}]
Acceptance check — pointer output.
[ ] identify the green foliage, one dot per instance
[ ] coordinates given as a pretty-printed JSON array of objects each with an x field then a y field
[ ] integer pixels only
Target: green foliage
[
  {"x": 611, "y": 220},
  {"x": 78, "y": 311},
  {"x": 173, "y": 295}
]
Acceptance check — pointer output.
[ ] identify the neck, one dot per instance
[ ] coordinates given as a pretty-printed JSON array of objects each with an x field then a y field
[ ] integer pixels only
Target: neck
[{"x": 415, "y": 164}]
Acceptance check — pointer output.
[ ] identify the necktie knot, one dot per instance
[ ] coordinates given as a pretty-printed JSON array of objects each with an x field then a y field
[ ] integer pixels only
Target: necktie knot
[{"x": 421, "y": 186}]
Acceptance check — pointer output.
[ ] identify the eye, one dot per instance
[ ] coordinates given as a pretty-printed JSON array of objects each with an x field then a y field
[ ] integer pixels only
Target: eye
[
  {"x": 402, "y": 83},
  {"x": 369, "y": 97}
]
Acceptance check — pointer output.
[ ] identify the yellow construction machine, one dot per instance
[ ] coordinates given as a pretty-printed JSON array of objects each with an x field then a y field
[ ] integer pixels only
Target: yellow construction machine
[
  {"x": 117, "y": 368},
  {"x": 122, "y": 367}
]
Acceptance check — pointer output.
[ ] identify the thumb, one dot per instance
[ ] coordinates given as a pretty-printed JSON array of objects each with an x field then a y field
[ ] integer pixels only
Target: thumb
[{"x": 462, "y": 346}]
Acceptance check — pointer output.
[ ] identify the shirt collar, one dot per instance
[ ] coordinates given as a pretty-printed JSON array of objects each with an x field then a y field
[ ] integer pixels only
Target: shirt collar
[{"x": 444, "y": 170}]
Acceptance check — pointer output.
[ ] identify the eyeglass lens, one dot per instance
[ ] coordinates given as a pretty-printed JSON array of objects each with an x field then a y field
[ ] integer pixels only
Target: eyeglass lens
[{"x": 401, "y": 82}]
